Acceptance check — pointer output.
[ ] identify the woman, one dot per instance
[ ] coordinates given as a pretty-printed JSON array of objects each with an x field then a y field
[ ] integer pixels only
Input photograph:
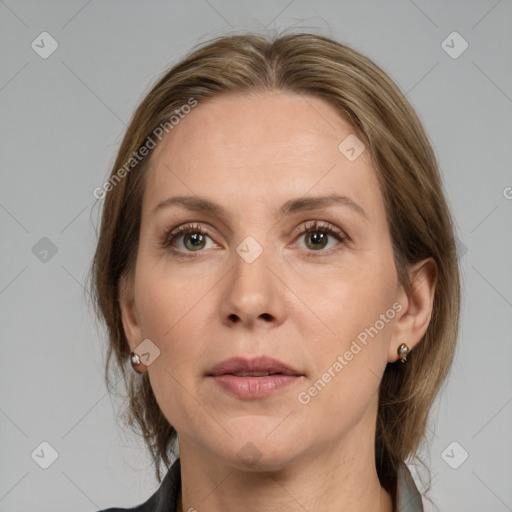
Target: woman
[{"x": 277, "y": 262}]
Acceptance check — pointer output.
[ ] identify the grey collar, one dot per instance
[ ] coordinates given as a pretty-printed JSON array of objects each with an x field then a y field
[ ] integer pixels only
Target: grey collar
[{"x": 408, "y": 498}]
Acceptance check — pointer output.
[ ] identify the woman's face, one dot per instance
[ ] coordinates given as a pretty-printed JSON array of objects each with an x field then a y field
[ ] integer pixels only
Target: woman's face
[{"x": 253, "y": 276}]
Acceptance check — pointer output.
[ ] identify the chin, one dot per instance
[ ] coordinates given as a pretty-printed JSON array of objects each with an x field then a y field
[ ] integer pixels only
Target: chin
[{"x": 263, "y": 449}]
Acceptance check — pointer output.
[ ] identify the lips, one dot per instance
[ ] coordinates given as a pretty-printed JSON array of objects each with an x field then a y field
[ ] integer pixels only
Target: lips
[
  {"x": 258, "y": 367},
  {"x": 254, "y": 379}
]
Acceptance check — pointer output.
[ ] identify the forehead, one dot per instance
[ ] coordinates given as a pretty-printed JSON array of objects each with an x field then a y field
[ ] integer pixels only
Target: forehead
[
  {"x": 251, "y": 125},
  {"x": 258, "y": 147}
]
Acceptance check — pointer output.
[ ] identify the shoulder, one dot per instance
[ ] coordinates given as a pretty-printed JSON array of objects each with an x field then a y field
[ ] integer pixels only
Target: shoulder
[
  {"x": 147, "y": 506},
  {"x": 165, "y": 497}
]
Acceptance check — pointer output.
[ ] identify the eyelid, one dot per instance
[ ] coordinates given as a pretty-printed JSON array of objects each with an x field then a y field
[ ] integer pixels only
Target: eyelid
[
  {"x": 170, "y": 236},
  {"x": 344, "y": 241},
  {"x": 319, "y": 225}
]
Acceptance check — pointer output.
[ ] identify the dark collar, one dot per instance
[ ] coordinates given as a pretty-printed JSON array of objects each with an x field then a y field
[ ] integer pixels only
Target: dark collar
[{"x": 166, "y": 496}]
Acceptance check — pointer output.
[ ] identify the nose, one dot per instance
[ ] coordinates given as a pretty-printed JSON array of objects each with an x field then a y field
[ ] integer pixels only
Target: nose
[{"x": 253, "y": 293}]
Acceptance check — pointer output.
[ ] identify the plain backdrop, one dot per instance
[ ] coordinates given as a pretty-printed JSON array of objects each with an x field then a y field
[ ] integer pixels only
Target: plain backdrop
[{"x": 72, "y": 73}]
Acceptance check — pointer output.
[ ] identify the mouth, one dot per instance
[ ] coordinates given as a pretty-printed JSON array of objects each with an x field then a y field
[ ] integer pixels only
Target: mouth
[
  {"x": 262, "y": 366},
  {"x": 254, "y": 378},
  {"x": 253, "y": 374}
]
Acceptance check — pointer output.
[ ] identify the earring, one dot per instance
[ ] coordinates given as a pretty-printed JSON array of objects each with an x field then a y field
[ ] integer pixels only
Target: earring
[
  {"x": 136, "y": 363},
  {"x": 402, "y": 351}
]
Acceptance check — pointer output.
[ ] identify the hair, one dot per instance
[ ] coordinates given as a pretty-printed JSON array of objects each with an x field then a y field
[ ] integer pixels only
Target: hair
[{"x": 417, "y": 213}]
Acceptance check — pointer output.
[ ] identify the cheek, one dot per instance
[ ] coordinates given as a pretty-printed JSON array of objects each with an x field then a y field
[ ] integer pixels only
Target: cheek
[
  {"x": 350, "y": 300},
  {"x": 351, "y": 356},
  {"x": 349, "y": 366},
  {"x": 164, "y": 298},
  {"x": 169, "y": 316},
  {"x": 168, "y": 310},
  {"x": 169, "y": 319}
]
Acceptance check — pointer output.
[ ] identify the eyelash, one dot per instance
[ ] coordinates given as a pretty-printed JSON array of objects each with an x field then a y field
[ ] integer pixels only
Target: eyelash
[{"x": 313, "y": 226}]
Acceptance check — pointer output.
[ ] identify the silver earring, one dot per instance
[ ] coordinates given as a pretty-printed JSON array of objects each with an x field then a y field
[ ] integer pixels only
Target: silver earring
[
  {"x": 402, "y": 351},
  {"x": 136, "y": 363}
]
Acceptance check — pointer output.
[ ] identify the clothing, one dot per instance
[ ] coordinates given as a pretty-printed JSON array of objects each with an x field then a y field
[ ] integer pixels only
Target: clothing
[{"x": 165, "y": 497}]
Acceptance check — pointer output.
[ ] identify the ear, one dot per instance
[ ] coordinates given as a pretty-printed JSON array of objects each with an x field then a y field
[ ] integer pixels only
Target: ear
[
  {"x": 412, "y": 321},
  {"x": 131, "y": 324}
]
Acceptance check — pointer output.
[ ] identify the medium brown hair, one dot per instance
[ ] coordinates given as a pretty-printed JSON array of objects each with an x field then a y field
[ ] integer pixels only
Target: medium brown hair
[{"x": 417, "y": 213}]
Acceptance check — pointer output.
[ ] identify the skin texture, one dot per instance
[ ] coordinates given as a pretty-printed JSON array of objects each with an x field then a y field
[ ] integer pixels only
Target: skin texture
[{"x": 298, "y": 302}]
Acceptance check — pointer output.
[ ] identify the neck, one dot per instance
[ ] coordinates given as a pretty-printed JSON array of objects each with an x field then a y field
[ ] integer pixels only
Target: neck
[{"x": 334, "y": 479}]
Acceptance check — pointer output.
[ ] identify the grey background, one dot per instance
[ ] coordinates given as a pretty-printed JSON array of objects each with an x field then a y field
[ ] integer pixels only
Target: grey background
[{"x": 62, "y": 119}]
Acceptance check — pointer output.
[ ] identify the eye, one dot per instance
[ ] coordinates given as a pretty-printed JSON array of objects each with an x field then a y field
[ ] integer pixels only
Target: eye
[
  {"x": 316, "y": 236},
  {"x": 187, "y": 238},
  {"x": 194, "y": 238}
]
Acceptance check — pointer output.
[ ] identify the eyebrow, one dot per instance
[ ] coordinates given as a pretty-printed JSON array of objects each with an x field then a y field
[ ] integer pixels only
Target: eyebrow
[{"x": 200, "y": 204}]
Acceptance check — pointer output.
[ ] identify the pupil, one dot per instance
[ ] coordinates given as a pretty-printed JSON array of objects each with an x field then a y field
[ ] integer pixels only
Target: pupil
[
  {"x": 196, "y": 239},
  {"x": 318, "y": 237}
]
